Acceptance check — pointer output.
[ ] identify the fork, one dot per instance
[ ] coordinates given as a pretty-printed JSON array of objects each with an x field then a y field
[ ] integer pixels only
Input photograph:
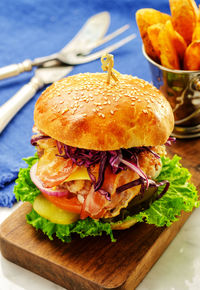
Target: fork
[{"x": 76, "y": 52}]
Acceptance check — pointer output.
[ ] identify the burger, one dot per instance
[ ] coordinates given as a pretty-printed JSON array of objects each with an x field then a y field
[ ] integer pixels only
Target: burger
[{"x": 101, "y": 161}]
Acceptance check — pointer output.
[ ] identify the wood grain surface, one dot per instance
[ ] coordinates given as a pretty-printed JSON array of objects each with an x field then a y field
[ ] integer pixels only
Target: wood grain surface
[{"x": 95, "y": 263}]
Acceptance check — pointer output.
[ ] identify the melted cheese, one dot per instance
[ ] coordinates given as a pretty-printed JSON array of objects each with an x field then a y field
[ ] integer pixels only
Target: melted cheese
[{"x": 80, "y": 174}]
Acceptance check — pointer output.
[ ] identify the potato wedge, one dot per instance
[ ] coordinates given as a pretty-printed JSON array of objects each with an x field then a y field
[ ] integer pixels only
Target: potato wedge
[
  {"x": 192, "y": 56},
  {"x": 153, "y": 32},
  {"x": 184, "y": 17},
  {"x": 196, "y": 33},
  {"x": 177, "y": 40},
  {"x": 145, "y": 18},
  {"x": 168, "y": 53}
]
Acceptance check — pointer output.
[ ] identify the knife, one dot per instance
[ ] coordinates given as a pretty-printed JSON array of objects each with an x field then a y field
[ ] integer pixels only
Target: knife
[{"x": 42, "y": 77}]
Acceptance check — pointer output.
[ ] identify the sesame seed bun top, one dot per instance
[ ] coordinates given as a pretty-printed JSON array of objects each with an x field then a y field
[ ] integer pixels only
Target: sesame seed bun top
[{"x": 84, "y": 111}]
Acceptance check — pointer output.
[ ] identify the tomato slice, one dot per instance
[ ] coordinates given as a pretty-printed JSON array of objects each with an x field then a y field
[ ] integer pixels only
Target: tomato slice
[{"x": 70, "y": 204}]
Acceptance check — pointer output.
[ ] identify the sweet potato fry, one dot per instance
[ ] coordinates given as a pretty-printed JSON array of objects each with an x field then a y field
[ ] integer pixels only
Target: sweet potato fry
[
  {"x": 153, "y": 32},
  {"x": 145, "y": 18},
  {"x": 184, "y": 17},
  {"x": 192, "y": 56},
  {"x": 168, "y": 53}
]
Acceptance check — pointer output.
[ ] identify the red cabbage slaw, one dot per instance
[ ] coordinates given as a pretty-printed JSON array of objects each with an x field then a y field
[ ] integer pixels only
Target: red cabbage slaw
[{"x": 118, "y": 160}]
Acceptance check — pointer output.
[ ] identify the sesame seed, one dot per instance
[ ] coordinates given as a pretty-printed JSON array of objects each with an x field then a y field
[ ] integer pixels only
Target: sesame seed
[
  {"x": 65, "y": 110},
  {"x": 112, "y": 112},
  {"x": 101, "y": 115}
]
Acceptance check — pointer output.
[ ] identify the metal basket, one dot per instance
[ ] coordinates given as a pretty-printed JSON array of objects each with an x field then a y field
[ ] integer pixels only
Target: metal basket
[{"x": 182, "y": 90}]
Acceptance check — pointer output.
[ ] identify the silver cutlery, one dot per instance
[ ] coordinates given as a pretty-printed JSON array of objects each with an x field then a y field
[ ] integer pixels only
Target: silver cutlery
[
  {"x": 77, "y": 50},
  {"x": 43, "y": 76}
]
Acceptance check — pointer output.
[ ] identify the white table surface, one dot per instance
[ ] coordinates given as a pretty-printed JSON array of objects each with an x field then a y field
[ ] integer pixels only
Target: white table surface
[{"x": 177, "y": 269}]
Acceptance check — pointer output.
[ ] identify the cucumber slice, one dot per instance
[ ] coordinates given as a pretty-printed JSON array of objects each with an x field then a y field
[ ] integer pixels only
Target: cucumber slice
[{"x": 56, "y": 215}]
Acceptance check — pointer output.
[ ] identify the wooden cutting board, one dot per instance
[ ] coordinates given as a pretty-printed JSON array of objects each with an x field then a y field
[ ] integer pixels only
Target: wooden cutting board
[{"x": 95, "y": 263}]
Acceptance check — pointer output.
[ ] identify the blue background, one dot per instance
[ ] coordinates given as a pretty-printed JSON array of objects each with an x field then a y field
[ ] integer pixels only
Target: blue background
[{"x": 29, "y": 29}]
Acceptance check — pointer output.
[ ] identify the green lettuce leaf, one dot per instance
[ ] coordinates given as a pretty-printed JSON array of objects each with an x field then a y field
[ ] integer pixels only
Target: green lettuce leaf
[
  {"x": 25, "y": 189},
  {"x": 181, "y": 195},
  {"x": 84, "y": 228}
]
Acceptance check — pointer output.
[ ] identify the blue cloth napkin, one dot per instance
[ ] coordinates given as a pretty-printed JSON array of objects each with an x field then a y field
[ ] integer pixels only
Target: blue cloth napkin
[{"x": 30, "y": 29}]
